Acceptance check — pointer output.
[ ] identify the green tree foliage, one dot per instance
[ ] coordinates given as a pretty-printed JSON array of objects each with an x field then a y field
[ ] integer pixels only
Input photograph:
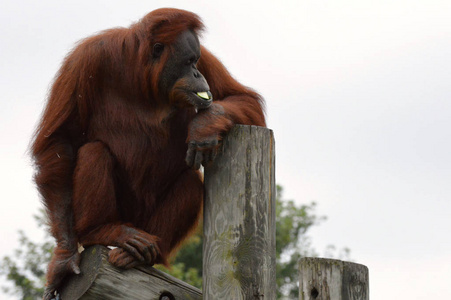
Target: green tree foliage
[
  {"x": 292, "y": 223},
  {"x": 292, "y": 243},
  {"x": 187, "y": 264},
  {"x": 26, "y": 268}
]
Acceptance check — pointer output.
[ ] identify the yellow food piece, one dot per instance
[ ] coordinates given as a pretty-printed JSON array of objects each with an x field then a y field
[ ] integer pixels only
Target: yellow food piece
[{"x": 203, "y": 95}]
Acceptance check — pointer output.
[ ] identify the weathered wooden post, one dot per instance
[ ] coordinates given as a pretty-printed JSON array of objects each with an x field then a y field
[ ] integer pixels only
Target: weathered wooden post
[
  {"x": 330, "y": 279},
  {"x": 239, "y": 218},
  {"x": 101, "y": 280}
]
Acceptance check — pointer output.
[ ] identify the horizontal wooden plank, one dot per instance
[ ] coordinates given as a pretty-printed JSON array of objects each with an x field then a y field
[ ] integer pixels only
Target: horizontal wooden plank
[{"x": 100, "y": 280}]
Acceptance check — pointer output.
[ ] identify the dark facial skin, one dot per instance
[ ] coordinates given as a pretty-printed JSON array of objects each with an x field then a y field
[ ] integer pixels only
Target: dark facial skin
[{"x": 180, "y": 80}]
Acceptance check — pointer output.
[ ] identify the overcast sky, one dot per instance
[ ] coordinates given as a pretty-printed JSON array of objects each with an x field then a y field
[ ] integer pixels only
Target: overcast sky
[{"x": 358, "y": 94}]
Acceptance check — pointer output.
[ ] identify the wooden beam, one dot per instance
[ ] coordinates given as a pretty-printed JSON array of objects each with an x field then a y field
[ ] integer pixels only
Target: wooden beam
[
  {"x": 239, "y": 257},
  {"x": 100, "y": 280},
  {"x": 330, "y": 279}
]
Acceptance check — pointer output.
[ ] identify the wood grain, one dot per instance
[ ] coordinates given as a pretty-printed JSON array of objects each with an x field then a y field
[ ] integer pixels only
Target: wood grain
[
  {"x": 100, "y": 280},
  {"x": 330, "y": 279},
  {"x": 239, "y": 218}
]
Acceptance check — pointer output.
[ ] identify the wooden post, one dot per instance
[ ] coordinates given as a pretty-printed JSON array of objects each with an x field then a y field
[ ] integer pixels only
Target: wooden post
[
  {"x": 330, "y": 279},
  {"x": 100, "y": 280},
  {"x": 239, "y": 218}
]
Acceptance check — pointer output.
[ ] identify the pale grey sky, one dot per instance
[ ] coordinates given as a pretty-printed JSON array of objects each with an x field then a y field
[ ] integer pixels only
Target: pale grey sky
[{"x": 358, "y": 95}]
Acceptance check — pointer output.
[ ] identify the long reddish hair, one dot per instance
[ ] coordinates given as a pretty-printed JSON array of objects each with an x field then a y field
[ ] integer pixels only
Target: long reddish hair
[{"x": 89, "y": 71}]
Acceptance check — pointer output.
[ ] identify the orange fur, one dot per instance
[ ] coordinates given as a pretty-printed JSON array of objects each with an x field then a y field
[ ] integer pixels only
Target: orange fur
[{"x": 110, "y": 154}]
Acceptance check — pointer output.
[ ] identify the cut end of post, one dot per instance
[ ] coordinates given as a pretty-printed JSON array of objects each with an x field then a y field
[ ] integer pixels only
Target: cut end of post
[{"x": 321, "y": 278}]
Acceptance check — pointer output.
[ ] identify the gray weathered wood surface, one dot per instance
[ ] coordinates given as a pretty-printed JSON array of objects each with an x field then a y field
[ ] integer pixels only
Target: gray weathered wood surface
[
  {"x": 239, "y": 218},
  {"x": 100, "y": 280},
  {"x": 330, "y": 279}
]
